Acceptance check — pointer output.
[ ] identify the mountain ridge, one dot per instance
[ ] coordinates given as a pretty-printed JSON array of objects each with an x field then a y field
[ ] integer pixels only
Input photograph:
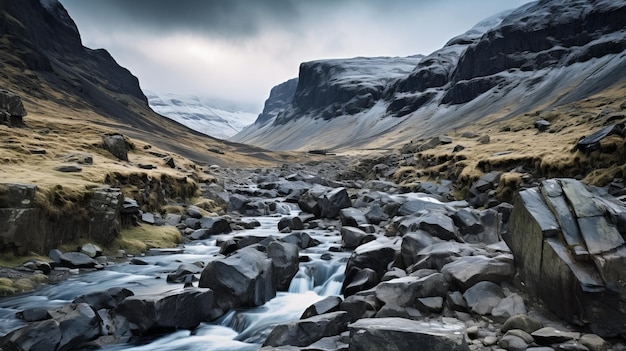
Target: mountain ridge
[{"x": 539, "y": 56}]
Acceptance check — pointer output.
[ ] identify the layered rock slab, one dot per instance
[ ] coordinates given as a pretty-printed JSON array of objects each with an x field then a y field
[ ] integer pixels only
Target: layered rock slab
[{"x": 568, "y": 248}]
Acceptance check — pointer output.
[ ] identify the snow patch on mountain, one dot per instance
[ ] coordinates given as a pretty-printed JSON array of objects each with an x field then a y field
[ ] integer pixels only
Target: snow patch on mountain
[{"x": 214, "y": 117}]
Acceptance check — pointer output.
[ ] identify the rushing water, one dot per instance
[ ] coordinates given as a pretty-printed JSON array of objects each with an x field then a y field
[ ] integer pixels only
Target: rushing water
[{"x": 241, "y": 329}]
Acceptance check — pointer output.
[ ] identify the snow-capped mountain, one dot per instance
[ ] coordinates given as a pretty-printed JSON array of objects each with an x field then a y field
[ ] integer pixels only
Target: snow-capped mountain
[
  {"x": 217, "y": 118},
  {"x": 539, "y": 56}
]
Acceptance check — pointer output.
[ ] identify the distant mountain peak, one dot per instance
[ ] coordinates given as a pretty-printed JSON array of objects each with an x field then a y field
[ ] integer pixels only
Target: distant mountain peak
[{"x": 218, "y": 118}]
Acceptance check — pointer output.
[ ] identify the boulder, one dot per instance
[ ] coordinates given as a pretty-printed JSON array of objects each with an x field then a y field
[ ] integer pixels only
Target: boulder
[
  {"x": 116, "y": 144},
  {"x": 91, "y": 250},
  {"x": 359, "y": 279},
  {"x": 308, "y": 201},
  {"x": 293, "y": 223},
  {"x": 352, "y": 217},
  {"x": 307, "y": 331},
  {"x": 467, "y": 221},
  {"x": 375, "y": 256},
  {"x": 483, "y": 297},
  {"x": 400, "y": 334},
  {"x": 176, "y": 309},
  {"x": 11, "y": 108},
  {"x": 77, "y": 260},
  {"x": 332, "y": 201},
  {"x": 300, "y": 239},
  {"x": 215, "y": 225},
  {"x": 466, "y": 271},
  {"x": 44, "y": 335},
  {"x": 352, "y": 237},
  {"x": 107, "y": 299},
  {"x": 183, "y": 273},
  {"x": 285, "y": 263},
  {"x": 404, "y": 291},
  {"x": 243, "y": 279},
  {"x": 511, "y": 305},
  {"x": 375, "y": 215},
  {"x": 326, "y": 305},
  {"x": 564, "y": 232},
  {"x": 78, "y": 323}
]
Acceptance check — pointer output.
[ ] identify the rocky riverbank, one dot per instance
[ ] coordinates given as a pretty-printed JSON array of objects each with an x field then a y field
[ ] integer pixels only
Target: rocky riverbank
[{"x": 423, "y": 268}]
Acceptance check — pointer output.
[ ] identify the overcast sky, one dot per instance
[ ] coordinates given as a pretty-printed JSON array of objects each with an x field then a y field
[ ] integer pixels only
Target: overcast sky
[{"x": 240, "y": 49}]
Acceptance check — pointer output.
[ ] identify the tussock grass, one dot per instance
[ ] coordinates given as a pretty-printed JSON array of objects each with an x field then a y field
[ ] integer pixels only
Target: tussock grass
[
  {"x": 517, "y": 147},
  {"x": 136, "y": 240}
]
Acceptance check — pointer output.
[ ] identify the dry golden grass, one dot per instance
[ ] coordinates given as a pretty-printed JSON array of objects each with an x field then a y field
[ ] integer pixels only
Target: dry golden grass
[
  {"x": 517, "y": 146},
  {"x": 139, "y": 239}
]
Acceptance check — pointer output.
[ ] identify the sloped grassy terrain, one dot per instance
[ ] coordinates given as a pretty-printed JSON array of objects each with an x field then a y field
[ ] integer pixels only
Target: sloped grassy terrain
[{"x": 515, "y": 146}]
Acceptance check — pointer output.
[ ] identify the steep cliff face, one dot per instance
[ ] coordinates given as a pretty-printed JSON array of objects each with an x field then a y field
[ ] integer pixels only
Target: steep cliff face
[
  {"x": 332, "y": 88},
  {"x": 41, "y": 37},
  {"x": 541, "y": 55},
  {"x": 280, "y": 96}
]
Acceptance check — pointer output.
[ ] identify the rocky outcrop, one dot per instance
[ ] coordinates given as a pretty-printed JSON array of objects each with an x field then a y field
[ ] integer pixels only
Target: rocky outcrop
[
  {"x": 11, "y": 108},
  {"x": 280, "y": 96},
  {"x": 244, "y": 279},
  {"x": 331, "y": 88},
  {"x": 572, "y": 236},
  {"x": 28, "y": 225}
]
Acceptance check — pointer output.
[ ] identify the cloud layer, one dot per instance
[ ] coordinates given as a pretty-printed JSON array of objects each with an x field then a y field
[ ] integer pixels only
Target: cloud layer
[{"x": 239, "y": 49}]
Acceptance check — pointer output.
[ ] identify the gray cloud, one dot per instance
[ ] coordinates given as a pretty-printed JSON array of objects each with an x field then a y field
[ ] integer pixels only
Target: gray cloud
[{"x": 241, "y": 48}]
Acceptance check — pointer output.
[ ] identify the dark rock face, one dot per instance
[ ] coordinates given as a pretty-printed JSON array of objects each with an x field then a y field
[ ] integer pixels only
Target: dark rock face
[
  {"x": 183, "y": 309},
  {"x": 26, "y": 226},
  {"x": 280, "y": 96},
  {"x": 399, "y": 334},
  {"x": 242, "y": 279},
  {"x": 565, "y": 233},
  {"x": 116, "y": 144},
  {"x": 307, "y": 331},
  {"x": 11, "y": 108},
  {"x": 330, "y": 88}
]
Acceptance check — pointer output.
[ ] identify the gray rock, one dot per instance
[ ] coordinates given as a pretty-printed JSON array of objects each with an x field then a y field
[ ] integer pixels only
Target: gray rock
[
  {"x": 522, "y": 322},
  {"x": 572, "y": 345},
  {"x": 285, "y": 263},
  {"x": 307, "y": 331},
  {"x": 404, "y": 291},
  {"x": 550, "y": 335},
  {"x": 177, "y": 309},
  {"x": 563, "y": 232},
  {"x": 466, "y": 271},
  {"x": 326, "y": 305},
  {"x": 511, "y": 305},
  {"x": 148, "y": 218},
  {"x": 68, "y": 168},
  {"x": 183, "y": 272},
  {"x": 467, "y": 221},
  {"x": 399, "y": 334},
  {"x": 483, "y": 297},
  {"x": 293, "y": 223},
  {"x": 116, "y": 144},
  {"x": 375, "y": 215},
  {"x": 77, "y": 260},
  {"x": 78, "y": 323},
  {"x": 512, "y": 343},
  {"x": 593, "y": 342},
  {"x": 352, "y": 237},
  {"x": 352, "y": 217},
  {"x": 215, "y": 225},
  {"x": 193, "y": 212},
  {"x": 375, "y": 255},
  {"x": 429, "y": 304},
  {"x": 91, "y": 250},
  {"x": 359, "y": 279},
  {"x": 172, "y": 219},
  {"x": 108, "y": 299},
  {"x": 37, "y": 336},
  {"x": 521, "y": 334},
  {"x": 301, "y": 239},
  {"x": 332, "y": 201},
  {"x": 243, "y": 279}
]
